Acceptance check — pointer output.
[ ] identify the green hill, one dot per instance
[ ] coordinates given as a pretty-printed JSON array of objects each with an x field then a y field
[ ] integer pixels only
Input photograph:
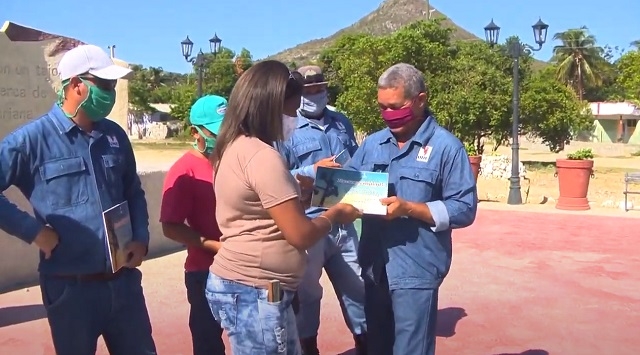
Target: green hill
[{"x": 388, "y": 17}]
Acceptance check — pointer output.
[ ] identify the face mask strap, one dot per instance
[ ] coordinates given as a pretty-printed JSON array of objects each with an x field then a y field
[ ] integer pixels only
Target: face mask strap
[
  {"x": 204, "y": 138},
  {"x": 62, "y": 97},
  {"x": 195, "y": 143}
]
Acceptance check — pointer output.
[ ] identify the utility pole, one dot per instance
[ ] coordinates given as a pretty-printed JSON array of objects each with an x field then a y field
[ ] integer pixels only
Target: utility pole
[{"x": 429, "y": 11}]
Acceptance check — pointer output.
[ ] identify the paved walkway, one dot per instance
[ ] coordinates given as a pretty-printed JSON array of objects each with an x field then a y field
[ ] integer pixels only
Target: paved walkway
[{"x": 521, "y": 283}]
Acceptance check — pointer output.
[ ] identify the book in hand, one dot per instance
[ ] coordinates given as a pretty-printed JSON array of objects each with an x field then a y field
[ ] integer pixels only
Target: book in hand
[
  {"x": 117, "y": 223},
  {"x": 362, "y": 189}
]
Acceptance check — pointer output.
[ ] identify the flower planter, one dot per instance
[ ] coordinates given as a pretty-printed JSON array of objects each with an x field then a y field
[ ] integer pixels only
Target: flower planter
[
  {"x": 475, "y": 161},
  {"x": 573, "y": 181}
]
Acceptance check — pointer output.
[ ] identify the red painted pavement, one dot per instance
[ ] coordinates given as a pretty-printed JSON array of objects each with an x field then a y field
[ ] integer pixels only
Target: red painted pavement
[{"x": 521, "y": 283}]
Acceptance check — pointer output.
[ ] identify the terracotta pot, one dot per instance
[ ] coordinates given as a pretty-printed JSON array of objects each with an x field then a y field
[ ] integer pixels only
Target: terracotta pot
[
  {"x": 573, "y": 181},
  {"x": 475, "y": 161}
]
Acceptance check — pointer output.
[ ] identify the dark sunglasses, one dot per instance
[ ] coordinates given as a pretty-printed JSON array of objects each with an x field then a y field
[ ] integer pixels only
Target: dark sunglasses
[
  {"x": 295, "y": 76},
  {"x": 104, "y": 84}
]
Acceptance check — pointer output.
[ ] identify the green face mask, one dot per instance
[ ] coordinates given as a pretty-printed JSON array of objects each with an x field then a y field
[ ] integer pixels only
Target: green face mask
[
  {"x": 97, "y": 105},
  {"x": 209, "y": 142}
]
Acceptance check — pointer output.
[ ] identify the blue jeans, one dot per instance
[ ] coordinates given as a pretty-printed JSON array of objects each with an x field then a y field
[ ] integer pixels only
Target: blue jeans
[
  {"x": 206, "y": 333},
  {"x": 400, "y": 321},
  {"x": 253, "y": 324},
  {"x": 338, "y": 256},
  {"x": 81, "y": 311}
]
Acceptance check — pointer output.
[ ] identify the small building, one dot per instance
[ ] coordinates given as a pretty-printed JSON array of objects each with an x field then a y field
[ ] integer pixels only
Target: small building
[
  {"x": 162, "y": 113},
  {"x": 615, "y": 122}
]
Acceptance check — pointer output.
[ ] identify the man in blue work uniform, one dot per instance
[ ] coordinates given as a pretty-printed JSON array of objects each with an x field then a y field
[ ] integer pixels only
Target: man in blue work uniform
[
  {"x": 406, "y": 254},
  {"x": 73, "y": 164},
  {"x": 320, "y": 135}
]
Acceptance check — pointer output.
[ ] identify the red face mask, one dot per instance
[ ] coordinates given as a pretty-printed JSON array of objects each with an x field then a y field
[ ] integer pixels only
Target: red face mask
[{"x": 397, "y": 118}]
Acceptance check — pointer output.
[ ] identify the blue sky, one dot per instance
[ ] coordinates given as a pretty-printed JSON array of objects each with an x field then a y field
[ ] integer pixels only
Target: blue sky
[{"x": 149, "y": 32}]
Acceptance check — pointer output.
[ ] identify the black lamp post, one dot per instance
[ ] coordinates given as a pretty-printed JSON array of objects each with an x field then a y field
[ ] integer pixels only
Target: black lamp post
[
  {"x": 199, "y": 60},
  {"x": 516, "y": 49}
]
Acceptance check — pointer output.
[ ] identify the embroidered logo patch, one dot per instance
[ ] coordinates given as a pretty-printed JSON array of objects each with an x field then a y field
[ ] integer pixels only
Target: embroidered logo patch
[
  {"x": 113, "y": 142},
  {"x": 424, "y": 153}
]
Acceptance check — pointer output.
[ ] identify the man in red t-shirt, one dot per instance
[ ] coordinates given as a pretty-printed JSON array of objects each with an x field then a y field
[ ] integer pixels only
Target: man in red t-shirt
[{"x": 188, "y": 197}]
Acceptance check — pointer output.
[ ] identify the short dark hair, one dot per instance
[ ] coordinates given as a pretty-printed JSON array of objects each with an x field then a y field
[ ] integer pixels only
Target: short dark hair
[
  {"x": 294, "y": 85},
  {"x": 255, "y": 105}
]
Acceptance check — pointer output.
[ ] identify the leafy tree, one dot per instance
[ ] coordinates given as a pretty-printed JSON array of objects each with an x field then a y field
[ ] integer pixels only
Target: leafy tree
[
  {"x": 220, "y": 75},
  {"x": 243, "y": 61},
  {"x": 151, "y": 85},
  {"x": 607, "y": 89},
  {"x": 507, "y": 63},
  {"x": 475, "y": 102},
  {"x": 551, "y": 111},
  {"x": 354, "y": 63},
  {"x": 578, "y": 59},
  {"x": 356, "y": 79},
  {"x": 331, "y": 66},
  {"x": 629, "y": 75},
  {"x": 470, "y": 85},
  {"x": 182, "y": 98},
  {"x": 162, "y": 94},
  {"x": 139, "y": 95}
]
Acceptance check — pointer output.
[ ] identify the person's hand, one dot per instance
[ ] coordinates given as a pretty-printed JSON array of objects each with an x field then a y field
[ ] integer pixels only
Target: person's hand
[
  {"x": 47, "y": 240},
  {"x": 327, "y": 163},
  {"x": 305, "y": 182},
  {"x": 345, "y": 213},
  {"x": 396, "y": 207},
  {"x": 212, "y": 246},
  {"x": 306, "y": 187},
  {"x": 135, "y": 252}
]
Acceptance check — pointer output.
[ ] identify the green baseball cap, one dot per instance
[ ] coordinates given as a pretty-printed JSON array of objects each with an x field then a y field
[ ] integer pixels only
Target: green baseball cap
[{"x": 208, "y": 112}]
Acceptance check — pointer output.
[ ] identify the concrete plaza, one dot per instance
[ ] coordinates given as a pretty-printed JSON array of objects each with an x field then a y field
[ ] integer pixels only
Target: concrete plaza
[{"x": 521, "y": 283}]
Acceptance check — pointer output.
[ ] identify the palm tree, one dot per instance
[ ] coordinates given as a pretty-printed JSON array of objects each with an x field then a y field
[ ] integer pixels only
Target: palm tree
[
  {"x": 578, "y": 59},
  {"x": 156, "y": 77},
  {"x": 636, "y": 43}
]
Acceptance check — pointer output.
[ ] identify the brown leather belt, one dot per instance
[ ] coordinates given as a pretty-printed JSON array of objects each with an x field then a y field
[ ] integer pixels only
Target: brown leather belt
[{"x": 102, "y": 276}]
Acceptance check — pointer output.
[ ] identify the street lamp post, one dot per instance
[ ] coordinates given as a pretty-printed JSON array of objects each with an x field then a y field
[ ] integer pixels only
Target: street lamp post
[
  {"x": 515, "y": 50},
  {"x": 199, "y": 61}
]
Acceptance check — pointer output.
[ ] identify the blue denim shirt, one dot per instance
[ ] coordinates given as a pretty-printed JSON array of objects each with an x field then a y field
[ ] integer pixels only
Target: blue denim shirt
[
  {"x": 70, "y": 178},
  {"x": 310, "y": 144},
  {"x": 432, "y": 168}
]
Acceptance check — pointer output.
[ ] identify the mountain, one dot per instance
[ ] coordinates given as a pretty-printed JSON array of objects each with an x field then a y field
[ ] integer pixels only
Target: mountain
[{"x": 388, "y": 17}]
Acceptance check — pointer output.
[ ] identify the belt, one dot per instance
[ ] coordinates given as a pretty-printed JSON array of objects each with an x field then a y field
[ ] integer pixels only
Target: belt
[{"x": 102, "y": 276}]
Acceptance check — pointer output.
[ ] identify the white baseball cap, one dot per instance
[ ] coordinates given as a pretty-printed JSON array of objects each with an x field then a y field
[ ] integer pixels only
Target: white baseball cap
[{"x": 89, "y": 59}]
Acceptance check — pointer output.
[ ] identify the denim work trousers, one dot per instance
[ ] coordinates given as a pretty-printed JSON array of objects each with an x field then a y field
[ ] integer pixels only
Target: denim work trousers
[
  {"x": 338, "y": 256},
  {"x": 81, "y": 311},
  {"x": 400, "y": 321}
]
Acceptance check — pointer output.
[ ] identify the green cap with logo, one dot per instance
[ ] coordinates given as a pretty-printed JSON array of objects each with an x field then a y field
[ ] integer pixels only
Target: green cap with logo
[{"x": 208, "y": 112}]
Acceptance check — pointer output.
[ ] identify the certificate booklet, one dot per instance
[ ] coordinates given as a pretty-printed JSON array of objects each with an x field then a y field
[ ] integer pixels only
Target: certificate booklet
[
  {"x": 362, "y": 189},
  {"x": 117, "y": 223}
]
